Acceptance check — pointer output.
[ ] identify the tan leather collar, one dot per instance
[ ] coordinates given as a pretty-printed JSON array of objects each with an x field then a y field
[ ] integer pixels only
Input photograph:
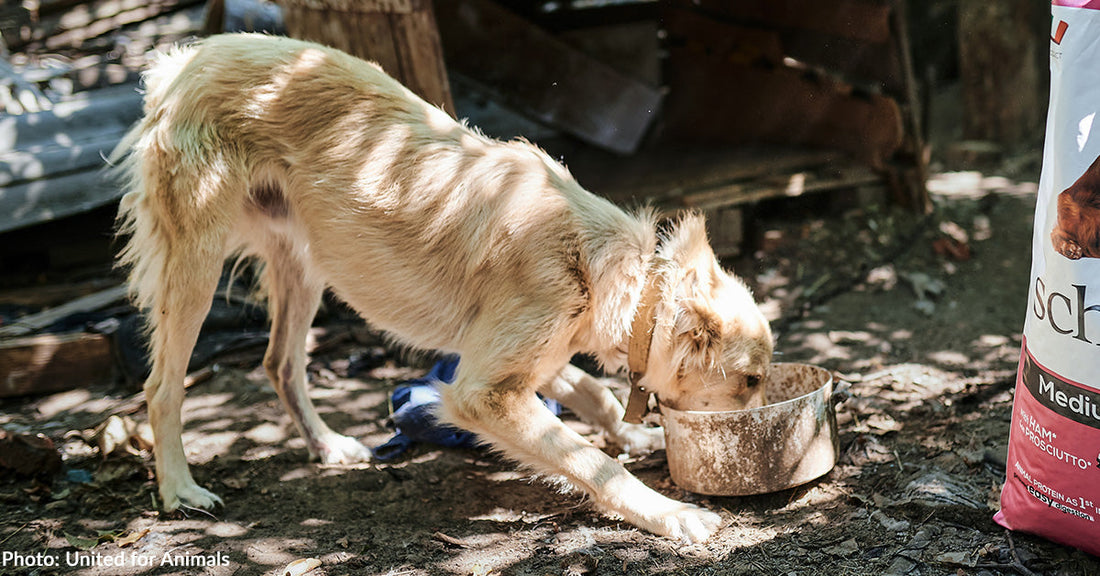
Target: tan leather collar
[{"x": 641, "y": 337}]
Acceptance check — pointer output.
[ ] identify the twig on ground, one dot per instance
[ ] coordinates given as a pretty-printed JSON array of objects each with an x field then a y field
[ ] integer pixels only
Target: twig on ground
[
  {"x": 185, "y": 508},
  {"x": 1017, "y": 565},
  {"x": 135, "y": 402},
  {"x": 450, "y": 540},
  {"x": 17, "y": 530}
]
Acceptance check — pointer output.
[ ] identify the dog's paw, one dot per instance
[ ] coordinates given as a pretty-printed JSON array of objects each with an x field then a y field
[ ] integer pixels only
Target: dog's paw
[
  {"x": 688, "y": 524},
  {"x": 1065, "y": 246},
  {"x": 649, "y": 510},
  {"x": 638, "y": 439},
  {"x": 340, "y": 450},
  {"x": 189, "y": 495}
]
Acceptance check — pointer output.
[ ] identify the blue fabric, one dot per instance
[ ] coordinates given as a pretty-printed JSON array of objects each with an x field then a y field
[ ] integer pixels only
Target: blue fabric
[
  {"x": 78, "y": 476},
  {"x": 414, "y": 405}
]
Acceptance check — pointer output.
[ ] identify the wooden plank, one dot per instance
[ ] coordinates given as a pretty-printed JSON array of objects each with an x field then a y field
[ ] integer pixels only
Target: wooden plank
[
  {"x": 140, "y": 36},
  {"x": 664, "y": 175},
  {"x": 360, "y": 6},
  {"x": 88, "y": 72},
  {"x": 543, "y": 77},
  {"x": 53, "y": 362},
  {"x": 42, "y": 295},
  {"x": 865, "y": 20},
  {"x": 830, "y": 113},
  {"x": 721, "y": 102},
  {"x": 721, "y": 40},
  {"x": 792, "y": 185},
  {"x": 89, "y": 303},
  {"x": 852, "y": 59},
  {"x": 567, "y": 16},
  {"x": 633, "y": 48},
  {"x": 54, "y": 6}
]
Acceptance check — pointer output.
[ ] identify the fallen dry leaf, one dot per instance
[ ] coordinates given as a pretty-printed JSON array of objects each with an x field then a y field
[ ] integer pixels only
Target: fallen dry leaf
[
  {"x": 112, "y": 435},
  {"x": 122, "y": 433},
  {"x": 301, "y": 566},
  {"x": 131, "y": 537}
]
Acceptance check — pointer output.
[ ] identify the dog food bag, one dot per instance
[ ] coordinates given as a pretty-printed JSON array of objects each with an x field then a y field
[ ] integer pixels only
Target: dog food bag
[{"x": 1052, "y": 484}]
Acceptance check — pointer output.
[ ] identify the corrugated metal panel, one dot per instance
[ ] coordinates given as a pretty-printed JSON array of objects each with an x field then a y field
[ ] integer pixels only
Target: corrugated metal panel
[{"x": 51, "y": 163}]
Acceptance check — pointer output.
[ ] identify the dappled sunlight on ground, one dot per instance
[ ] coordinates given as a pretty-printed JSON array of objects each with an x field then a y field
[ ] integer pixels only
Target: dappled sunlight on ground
[
  {"x": 266, "y": 433},
  {"x": 925, "y": 345},
  {"x": 974, "y": 184}
]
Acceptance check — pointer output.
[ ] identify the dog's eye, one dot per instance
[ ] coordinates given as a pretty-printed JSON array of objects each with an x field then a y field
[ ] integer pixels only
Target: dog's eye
[{"x": 753, "y": 381}]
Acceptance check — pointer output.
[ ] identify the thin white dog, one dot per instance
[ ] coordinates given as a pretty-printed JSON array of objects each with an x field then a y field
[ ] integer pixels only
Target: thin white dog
[{"x": 337, "y": 177}]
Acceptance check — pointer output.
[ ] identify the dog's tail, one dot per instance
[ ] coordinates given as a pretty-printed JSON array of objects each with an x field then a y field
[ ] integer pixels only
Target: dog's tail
[
  {"x": 145, "y": 248},
  {"x": 143, "y": 252}
]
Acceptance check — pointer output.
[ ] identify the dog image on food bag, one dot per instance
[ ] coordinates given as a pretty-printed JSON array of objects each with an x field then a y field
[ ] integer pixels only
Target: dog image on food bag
[
  {"x": 336, "y": 177},
  {"x": 1077, "y": 233}
]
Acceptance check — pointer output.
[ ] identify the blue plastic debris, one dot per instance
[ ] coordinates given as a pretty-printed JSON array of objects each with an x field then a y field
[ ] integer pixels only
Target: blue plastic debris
[
  {"x": 414, "y": 406},
  {"x": 78, "y": 476}
]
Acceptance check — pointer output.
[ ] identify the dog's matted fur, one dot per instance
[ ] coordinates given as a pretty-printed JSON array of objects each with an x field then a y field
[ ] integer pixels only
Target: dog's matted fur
[{"x": 337, "y": 177}]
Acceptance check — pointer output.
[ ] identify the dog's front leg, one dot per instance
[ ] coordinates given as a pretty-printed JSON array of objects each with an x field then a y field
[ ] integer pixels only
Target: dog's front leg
[
  {"x": 594, "y": 402},
  {"x": 507, "y": 413}
]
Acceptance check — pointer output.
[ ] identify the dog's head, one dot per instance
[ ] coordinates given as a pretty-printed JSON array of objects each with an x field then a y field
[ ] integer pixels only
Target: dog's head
[
  {"x": 712, "y": 345},
  {"x": 1077, "y": 231}
]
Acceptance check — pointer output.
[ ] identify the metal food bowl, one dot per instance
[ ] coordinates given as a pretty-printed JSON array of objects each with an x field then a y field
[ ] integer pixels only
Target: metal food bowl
[{"x": 787, "y": 442}]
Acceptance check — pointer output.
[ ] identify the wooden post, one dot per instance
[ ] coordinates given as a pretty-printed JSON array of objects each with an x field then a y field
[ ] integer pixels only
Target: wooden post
[
  {"x": 400, "y": 35},
  {"x": 908, "y": 169},
  {"x": 1000, "y": 74}
]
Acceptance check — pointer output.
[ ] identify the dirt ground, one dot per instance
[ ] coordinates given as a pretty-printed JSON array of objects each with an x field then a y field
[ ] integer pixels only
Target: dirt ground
[{"x": 928, "y": 341}]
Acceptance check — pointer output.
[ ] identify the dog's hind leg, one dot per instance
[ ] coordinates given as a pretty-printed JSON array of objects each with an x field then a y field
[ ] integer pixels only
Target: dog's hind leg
[
  {"x": 184, "y": 292},
  {"x": 293, "y": 301},
  {"x": 182, "y": 202}
]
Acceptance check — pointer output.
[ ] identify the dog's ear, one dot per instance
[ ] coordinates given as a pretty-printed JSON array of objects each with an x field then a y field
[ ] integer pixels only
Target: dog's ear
[
  {"x": 687, "y": 243},
  {"x": 704, "y": 332},
  {"x": 698, "y": 326}
]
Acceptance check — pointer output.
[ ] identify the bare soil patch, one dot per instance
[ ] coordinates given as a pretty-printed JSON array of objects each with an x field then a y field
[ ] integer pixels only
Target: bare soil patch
[{"x": 927, "y": 338}]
